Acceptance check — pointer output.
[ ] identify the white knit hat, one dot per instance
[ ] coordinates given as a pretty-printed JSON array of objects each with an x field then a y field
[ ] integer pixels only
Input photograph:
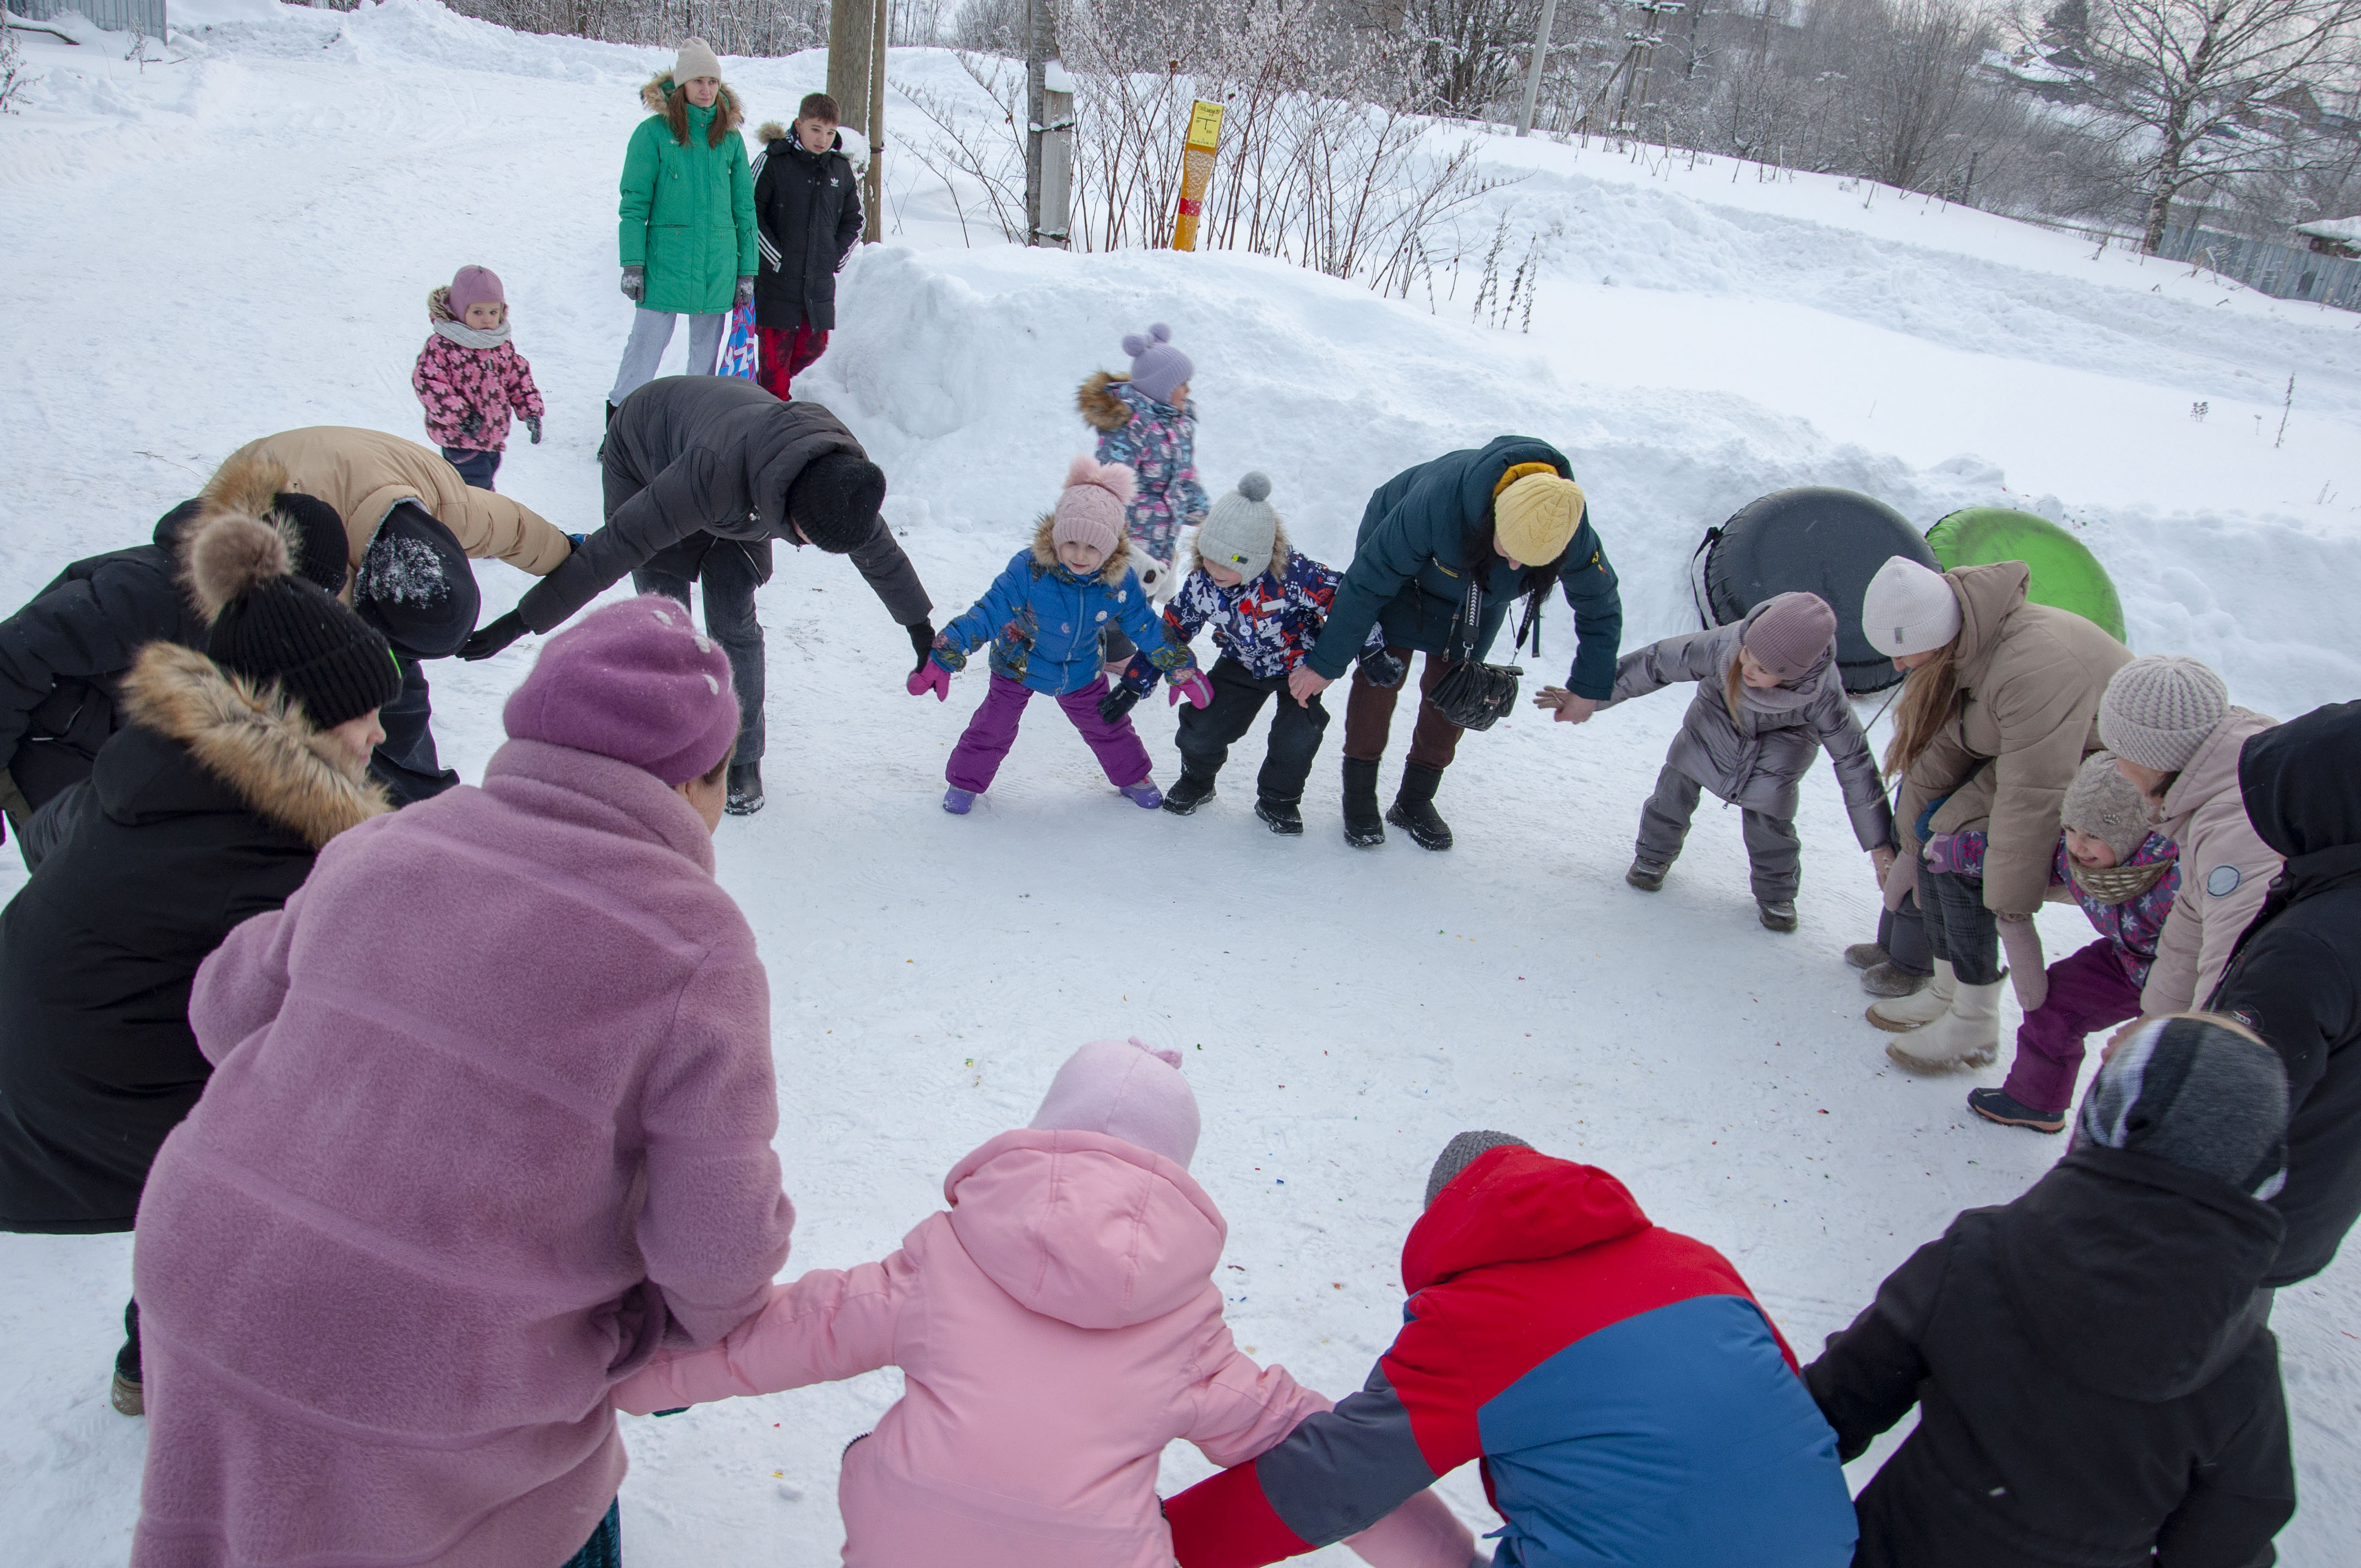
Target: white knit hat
[
  {"x": 695, "y": 58},
  {"x": 2157, "y": 710},
  {"x": 1908, "y": 609},
  {"x": 1241, "y": 532}
]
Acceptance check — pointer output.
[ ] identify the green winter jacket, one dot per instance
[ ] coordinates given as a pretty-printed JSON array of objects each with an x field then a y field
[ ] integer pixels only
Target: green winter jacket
[
  {"x": 1417, "y": 537},
  {"x": 687, "y": 211}
]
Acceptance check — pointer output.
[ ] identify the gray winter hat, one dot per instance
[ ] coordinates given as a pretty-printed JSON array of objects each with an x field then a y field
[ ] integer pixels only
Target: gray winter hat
[
  {"x": 2157, "y": 710},
  {"x": 2105, "y": 804},
  {"x": 1460, "y": 1153},
  {"x": 2188, "y": 1089},
  {"x": 1241, "y": 530}
]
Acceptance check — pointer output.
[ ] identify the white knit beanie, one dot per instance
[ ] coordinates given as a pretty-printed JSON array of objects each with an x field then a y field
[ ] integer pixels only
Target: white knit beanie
[
  {"x": 1241, "y": 530},
  {"x": 1908, "y": 609},
  {"x": 2159, "y": 710},
  {"x": 695, "y": 58}
]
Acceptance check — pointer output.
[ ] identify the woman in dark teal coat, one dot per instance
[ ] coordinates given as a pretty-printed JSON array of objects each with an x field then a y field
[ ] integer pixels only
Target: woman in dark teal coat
[{"x": 1511, "y": 511}]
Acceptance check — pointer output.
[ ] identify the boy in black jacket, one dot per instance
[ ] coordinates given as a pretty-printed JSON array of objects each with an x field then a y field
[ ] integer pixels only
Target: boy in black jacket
[
  {"x": 2093, "y": 1377},
  {"x": 806, "y": 221}
]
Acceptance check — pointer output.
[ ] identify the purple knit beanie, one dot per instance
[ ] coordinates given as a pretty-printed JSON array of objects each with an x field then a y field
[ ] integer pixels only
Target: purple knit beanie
[
  {"x": 1127, "y": 1090},
  {"x": 635, "y": 682},
  {"x": 1791, "y": 633},
  {"x": 474, "y": 286},
  {"x": 1156, "y": 366}
]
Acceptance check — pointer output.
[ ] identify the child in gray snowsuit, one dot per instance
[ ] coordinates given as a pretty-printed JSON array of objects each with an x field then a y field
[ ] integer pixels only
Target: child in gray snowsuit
[{"x": 1769, "y": 697}]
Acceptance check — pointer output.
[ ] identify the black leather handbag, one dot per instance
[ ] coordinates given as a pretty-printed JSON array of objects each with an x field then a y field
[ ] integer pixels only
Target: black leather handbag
[{"x": 1475, "y": 695}]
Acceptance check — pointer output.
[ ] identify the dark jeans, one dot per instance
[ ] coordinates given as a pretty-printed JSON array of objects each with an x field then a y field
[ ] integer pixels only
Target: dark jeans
[
  {"x": 1207, "y": 733},
  {"x": 476, "y": 468},
  {"x": 730, "y": 572},
  {"x": 1903, "y": 934},
  {"x": 1958, "y": 927},
  {"x": 1773, "y": 853},
  {"x": 127, "y": 1360},
  {"x": 404, "y": 761},
  {"x": 1369, "y": 716},
  {"x": 605, "y": 1547}
]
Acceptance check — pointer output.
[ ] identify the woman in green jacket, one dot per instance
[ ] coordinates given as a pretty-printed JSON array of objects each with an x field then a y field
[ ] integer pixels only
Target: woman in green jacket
[{"x": 688, "y": 233}]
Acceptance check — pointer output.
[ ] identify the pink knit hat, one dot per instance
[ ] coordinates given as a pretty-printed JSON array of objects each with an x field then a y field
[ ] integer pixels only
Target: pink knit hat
[
  {"x": 635, "y": 682},
  {"x": 1127, "y": 1090},
  {"x": 474, "y": 286},
  {"x": 1091, "y": 510},
  {"x": 1791, "y": 633}
]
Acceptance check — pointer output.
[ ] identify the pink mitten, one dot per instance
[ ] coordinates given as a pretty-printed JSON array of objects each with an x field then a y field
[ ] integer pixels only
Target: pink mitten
[
  {"x": 1194, "y": 687},
  {"x": 930, "y": 677}
]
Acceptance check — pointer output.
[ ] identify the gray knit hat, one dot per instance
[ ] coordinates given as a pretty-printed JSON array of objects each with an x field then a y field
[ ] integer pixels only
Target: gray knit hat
[
  {"x": 1241, "y": 530},
  {"x": 695, "y": 58},
  {"x": 1460, "y": 1153},
  {"x": 2204, "y": 1097},
  {"x": 1791, "y": 634},
  {"x": 2158, "y": 711},
  {"x": 2105, "y": 804}
]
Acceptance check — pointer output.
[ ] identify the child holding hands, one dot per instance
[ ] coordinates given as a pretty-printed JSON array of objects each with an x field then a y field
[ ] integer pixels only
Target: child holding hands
[{"x": 470, "y": 376}]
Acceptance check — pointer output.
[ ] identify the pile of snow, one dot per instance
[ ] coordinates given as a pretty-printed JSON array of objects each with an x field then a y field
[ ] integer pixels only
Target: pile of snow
[{"x": 241, "y": 241}]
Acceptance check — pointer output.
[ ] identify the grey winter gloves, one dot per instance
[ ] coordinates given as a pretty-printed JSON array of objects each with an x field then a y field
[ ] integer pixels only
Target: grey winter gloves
[
  {"x": 1908, "y": 609},
  {"x": 2159, "y": 710},
  {"x": 1460, "y": 1153},
  {"x": 2200, "y": 1094},
  {"x": 635, "y": 283},
  {"x": 1241, "y": 530},
  {"x": 746, "y": 295}
]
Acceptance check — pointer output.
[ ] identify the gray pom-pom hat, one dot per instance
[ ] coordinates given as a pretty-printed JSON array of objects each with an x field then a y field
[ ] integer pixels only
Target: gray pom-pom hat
[{"x": 1241, "y": 530}]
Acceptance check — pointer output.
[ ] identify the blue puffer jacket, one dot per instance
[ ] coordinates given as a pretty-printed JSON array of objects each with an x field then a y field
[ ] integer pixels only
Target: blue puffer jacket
[{"x": 1043, "y": 621}]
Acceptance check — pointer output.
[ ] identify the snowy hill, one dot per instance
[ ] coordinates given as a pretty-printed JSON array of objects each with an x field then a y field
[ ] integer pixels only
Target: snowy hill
[{"x": 239, "y": 239}]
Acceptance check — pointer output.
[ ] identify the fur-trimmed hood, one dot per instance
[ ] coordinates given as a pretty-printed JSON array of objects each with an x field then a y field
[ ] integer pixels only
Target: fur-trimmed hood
[
  {"x": 256, "y": 742},
  {"x": 247, "y": 485},
  {"x": 658, "y": 88},
  {"x": 1101, "y": 410},
  {"x": 438, "y": 304},
  {"x": 1045, "y": 552}
]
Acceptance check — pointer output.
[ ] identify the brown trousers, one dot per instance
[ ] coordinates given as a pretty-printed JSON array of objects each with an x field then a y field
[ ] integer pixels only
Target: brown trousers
[{"x": 1369, "y": 716}]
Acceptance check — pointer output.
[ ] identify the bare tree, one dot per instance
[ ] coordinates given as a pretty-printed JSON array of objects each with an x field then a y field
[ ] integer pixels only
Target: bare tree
[
  {"x": 1916, "y": 86},
  {"x": 2211, "y": 90}
]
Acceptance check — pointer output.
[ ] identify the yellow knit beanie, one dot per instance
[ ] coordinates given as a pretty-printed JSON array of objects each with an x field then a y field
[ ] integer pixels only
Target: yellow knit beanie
[{"x": 1535, "y": 514}]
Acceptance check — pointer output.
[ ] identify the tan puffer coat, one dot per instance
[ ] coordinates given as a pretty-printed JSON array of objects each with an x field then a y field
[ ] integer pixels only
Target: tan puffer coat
[
  {"x": 2030, "y": 678},
  {"x": 365, "y": 474},
  {"x": 2225, "y": 869}
]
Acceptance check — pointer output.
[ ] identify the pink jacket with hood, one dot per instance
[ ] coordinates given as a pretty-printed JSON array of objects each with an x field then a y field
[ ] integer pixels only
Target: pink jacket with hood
[{"x": 1056, "y": 1327}]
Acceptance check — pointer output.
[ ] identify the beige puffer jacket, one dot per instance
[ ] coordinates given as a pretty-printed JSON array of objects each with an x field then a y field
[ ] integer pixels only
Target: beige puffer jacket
[
  {"x": 2225, "y": 869},
  {"x": 2030, "y": 678},
  {"x": 364, "y": 474}
]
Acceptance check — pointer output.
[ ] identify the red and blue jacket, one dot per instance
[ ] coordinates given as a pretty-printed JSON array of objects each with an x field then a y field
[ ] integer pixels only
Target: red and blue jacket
[{"x": 1629, "y": 1402}]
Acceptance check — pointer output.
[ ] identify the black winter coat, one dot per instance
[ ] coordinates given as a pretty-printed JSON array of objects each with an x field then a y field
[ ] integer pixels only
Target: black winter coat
[
  {"x": 62, "y": 654},
  {"x": 2095, "y": 1388},
  {"x": 806, "y": 221},
  {"x": 206, "y": 808},
  {"x": 2295, "y": 976},
  {"x": 690, "y": 459}
]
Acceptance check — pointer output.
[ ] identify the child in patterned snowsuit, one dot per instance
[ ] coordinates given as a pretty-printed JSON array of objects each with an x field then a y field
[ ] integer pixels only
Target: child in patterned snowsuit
[
  {"x": 2124, "y": 875},
  {"x": 470, "y": 376},
  {"x": 1266, "y": 603},
  {"x": 1147, "y": 423},
  {"x": 1043, "y": 615}
]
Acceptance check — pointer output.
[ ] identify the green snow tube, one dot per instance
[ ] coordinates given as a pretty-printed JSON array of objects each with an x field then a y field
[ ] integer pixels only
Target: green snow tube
[{"x": 2066, "y": 576}]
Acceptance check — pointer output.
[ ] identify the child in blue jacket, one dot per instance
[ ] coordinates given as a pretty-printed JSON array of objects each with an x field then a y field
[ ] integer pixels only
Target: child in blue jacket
[
  {"x": 1043, "y": 615},
  {"x": 1266, "y": 603}
]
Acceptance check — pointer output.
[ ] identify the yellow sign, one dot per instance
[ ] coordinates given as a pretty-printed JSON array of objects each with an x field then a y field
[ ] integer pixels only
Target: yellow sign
[{"x": 1196, "y": 170}]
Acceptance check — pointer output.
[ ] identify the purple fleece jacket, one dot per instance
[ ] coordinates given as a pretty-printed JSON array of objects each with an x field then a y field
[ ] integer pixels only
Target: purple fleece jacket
[{"x": 490, "y": 1121}]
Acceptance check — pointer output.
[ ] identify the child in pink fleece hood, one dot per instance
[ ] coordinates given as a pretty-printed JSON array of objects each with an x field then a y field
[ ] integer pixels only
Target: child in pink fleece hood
[{"x": 1057, "y": 1326}]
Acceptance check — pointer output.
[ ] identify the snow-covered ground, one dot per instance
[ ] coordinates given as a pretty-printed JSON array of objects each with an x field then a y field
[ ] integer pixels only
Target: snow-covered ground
[{"x": 239, "y": 240}]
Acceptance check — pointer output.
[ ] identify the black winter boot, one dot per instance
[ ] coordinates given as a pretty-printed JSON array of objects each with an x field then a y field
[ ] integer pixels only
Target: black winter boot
[
  {"x": 1186, "y": 795},
  {"x": 126, "y": 1395},
  {"x": 1999, "y": 1106},
  {"x": 1646, "y": 875},
  {"x": 1364, "y": 828},
  {"x": 745, "y": 789},
  {"x": 1413, "y": 807},
  {"x": 1281, "y": 816}
]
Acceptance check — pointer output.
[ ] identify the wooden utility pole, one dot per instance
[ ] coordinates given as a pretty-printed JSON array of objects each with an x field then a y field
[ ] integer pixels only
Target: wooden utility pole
[
  {"x": 1533, "y": 72},
  {"x": 1048, "y": 130}
]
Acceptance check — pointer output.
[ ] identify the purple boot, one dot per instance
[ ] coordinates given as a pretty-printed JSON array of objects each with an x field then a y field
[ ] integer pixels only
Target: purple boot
[
  {"x": 957, "y": 800},
  {"x": 1145, "y": 794}
]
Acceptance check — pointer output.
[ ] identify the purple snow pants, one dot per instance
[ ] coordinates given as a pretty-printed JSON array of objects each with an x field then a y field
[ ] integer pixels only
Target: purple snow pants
[
  {"x": 993, "y": 730},
  {"x": 2088, "y": 991}
]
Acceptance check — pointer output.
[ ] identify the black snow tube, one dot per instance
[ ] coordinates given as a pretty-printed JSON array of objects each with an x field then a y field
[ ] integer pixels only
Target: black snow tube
[{"x": 1814, "y": 540}]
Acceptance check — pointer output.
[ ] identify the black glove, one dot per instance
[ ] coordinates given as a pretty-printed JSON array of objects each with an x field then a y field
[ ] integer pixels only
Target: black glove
[
  {"x": 1384, "y": 671},
  {"x": 473, "y": 425},
  {"x": 493, "y": 636},
  {"x": 745, "y": 293},
  {"x": 1117, "y": 703},
  {"x": 635, "y": 283},
  {"x": 922, "y": 640},
  {"x": 533, "y": 424}
]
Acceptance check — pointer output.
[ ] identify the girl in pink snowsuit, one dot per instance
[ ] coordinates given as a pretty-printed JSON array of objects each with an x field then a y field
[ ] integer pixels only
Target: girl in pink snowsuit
[
  {"x": 470, "y": 376},
  {"x": 1055, "y": 1326}
]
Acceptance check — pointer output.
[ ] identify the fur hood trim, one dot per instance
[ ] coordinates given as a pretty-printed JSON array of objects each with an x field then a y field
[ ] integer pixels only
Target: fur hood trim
[
  {"x": 659, "y": 87},
  {"x": 438, "y": 304},
  {"x": 1101, "y": 410},
  {"x": 248, "y": 487},
  {"x": 256, "y": 742},
  {"x": 1045, "y": 553},
  {"x": 1282, "y": 552},
  {"x": 771, "y": 131}
]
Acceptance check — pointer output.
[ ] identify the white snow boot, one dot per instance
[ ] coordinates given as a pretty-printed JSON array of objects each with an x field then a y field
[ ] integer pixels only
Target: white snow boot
[
  {"x": 1968, "y": 1035},
  {"x": 1899, "y": 1014}
]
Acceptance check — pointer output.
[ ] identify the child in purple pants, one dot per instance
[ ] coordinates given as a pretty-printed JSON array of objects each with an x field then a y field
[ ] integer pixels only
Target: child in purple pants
[
  {"x": 2124, "y": 876},
  {"x": 1043, "y": 615}
]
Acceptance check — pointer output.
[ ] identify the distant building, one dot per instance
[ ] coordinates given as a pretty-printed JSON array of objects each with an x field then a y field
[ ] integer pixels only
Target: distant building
[
  {"x": 112, "y": 15},
  {"x": 2333, "y": 236}
]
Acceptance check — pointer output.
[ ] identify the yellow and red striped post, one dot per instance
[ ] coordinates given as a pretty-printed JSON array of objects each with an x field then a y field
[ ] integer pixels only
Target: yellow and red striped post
[{"x": 1196, "y": 170}]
